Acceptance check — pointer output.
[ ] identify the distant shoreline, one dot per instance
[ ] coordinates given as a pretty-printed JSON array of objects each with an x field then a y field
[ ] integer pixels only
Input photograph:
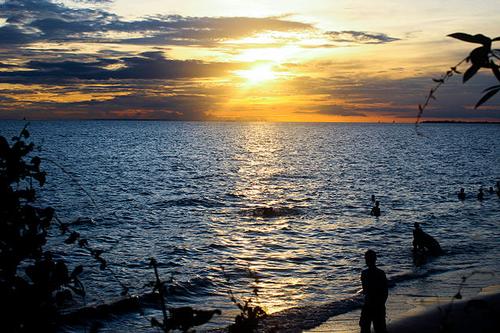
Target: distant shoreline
[
  {"x": 459, "y": 122},
  {"x": 255, "y": 121}
]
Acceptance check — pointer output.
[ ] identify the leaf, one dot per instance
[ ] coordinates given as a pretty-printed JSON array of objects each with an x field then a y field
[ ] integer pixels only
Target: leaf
[
  {"x": 458, "y": 295},
  {"x": 63, "y": 296},
  {"x": 479, "y": 57},
  {"x": 25, "y": 133},
  {"x": 495, "y": 70},
  {"x": 40, "y": 177},
  {"x": 495, "y": 39},
  {"x": 72, "y": 237},
  {"x": 478, "y": 39},
  {"x": 492, "y": 87},
  {"x": 156, "y": 323},
  {"x": 78, "y": 288},
  {"x": 36, "y": 161},
  {"x": 470, "y": 72},
  {"x": 77, "y": 271},
  {"x": 438, "y": 80},
  {"x": 486, "y": 97}
]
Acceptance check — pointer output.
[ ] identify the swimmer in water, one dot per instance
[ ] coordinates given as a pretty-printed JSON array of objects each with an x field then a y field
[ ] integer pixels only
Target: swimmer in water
[
  {"x": 375, "y": 209},
  {"x": 461, "y": 194},
  {"x": 480, "y": 194}
]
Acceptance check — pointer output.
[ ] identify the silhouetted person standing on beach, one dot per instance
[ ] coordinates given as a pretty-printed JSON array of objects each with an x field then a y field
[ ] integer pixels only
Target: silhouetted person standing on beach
[
  {"x": 375, "y": 209},
  {"x": 375, "y": 289}
]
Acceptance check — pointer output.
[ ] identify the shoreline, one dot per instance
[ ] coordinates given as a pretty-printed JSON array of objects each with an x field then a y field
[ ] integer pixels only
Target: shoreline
[
  {"x": 411, "y": 303},
  {"x": 411, "y": 299}
]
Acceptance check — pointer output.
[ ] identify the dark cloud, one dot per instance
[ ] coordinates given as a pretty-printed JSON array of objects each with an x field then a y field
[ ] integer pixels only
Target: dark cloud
[
  {"x": 93, "y": 1},
  {"x": 11, "y": 34},
  {"x": 201, "y": 31},
  {"x": 334, "y": 110},
  {"x": 397, "y": 98},
  {"x": 145, "y": 66},
  {"x": 137, "y": 105},
  {"x": 44, "y": 20},
  {"x": 359, "y": 37}
]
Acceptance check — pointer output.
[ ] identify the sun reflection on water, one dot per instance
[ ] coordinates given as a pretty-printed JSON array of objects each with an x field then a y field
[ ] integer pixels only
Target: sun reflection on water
[{"x": 257, "y": 242}]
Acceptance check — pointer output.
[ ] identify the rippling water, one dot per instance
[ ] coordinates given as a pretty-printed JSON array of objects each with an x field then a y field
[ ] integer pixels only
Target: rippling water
[{"x": 290, "y": 201}]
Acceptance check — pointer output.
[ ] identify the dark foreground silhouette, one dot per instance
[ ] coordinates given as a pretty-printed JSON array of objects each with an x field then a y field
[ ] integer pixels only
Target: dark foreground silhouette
[{"x": 375, "y": 289}]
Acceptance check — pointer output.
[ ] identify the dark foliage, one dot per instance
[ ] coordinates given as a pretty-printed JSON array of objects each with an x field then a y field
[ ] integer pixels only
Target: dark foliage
[
  {"x": 483, "y": 56},
  {"x": 33, "y": 284},
  {"x": 183, "y": 318},
  {"x": 248, "y": 318}
]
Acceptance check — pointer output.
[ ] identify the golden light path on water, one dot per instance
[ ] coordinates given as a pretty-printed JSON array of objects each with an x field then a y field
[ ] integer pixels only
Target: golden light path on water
[{"x": 260, "y": 247}]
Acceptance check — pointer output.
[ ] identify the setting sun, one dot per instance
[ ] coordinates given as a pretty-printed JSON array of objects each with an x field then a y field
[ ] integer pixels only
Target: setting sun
[{"x": 258, "y": 74}]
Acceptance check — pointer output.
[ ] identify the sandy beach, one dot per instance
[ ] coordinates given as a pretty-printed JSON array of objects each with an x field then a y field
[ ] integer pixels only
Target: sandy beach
[
  {"x": 478, "y": 314},
  {"x": 423, "y": 308}
]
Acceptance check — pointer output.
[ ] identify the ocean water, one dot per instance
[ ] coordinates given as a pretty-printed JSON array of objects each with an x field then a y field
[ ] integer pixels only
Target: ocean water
[{"x": 289, "y": 201}]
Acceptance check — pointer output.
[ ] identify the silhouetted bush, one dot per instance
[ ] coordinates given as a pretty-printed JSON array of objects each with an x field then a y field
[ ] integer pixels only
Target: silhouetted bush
[
  {"x": 33, "y": 284},
  {"x": 481, "y": 57},
  {"x": 182, "y": 318},
  {"x": 248, "y": 318}
]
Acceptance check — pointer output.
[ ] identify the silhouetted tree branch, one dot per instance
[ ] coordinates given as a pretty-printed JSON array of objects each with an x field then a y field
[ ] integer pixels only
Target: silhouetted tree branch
[{"x": 481, "y": 57}]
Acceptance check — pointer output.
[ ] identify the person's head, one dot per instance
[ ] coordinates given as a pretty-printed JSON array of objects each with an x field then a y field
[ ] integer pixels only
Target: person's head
[
  {"x": 416, "y": 225},
  {"x": 481, "y": 190},
  {"x": 377, "y": 203},
  {"x": 370, "y": 258},
  {"x": 462, "y": 190}
]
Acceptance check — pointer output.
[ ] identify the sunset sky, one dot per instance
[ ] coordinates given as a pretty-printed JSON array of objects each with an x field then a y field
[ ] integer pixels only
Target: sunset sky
[{"x": 315, "y": 60}]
